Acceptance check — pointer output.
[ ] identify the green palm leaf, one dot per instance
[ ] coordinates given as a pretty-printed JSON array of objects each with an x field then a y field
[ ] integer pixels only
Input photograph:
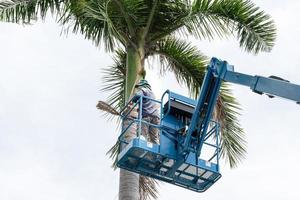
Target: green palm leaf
[
  {"x": 233, "y": 143},
  {"x": 26, "y": 11},
  {"x": 99, "y": 21},
  {"x": 114, "y": 80},
  {"x": 254, "y": 29},
  {"x": 187, "y": 63},
  {"x": 148, "y": 188}
]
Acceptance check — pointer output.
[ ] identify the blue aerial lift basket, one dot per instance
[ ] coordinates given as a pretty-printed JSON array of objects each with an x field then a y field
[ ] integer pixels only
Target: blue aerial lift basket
[
  {"x": 188, "y": 150},
  {"x": 164, "y": 161}
]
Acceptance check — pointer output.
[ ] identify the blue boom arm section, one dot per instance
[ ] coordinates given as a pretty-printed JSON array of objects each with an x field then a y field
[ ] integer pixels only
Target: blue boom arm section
[
  {"x": 263, "y": 85},
  {"x": 208, "y": 96}
]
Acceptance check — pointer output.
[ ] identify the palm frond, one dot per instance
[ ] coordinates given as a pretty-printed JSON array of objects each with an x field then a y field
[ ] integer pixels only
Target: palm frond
[
  {"x": 114, "y": 81},
  {"x": 169, "y": 18},
  {"x": 26, "y": 11},
  {"x": 233, "y": 140},
  {"x": 113, "y": 153},
  {"x": 105, "y": 107},
  {"x": 98, "y": 21},
  {"x": 148, "y": 188},
  {"x": 188, "y": 65},
  {"x": 255, "y": 30},
  {"x": 113, "y": 22},
  {"x": 91, "y": 18}
]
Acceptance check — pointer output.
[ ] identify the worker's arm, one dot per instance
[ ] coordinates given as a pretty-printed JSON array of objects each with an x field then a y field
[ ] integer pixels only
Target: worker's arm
[{"x": 137, "y": 95}]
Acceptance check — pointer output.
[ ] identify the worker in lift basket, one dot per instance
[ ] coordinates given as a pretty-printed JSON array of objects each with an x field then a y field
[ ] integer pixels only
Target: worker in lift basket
[{"x": 150, "y": 111}]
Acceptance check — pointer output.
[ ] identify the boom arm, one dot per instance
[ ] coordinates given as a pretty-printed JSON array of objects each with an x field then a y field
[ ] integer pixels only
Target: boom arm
[
  {"x": 217, "y": 72},
  {"x": 271, "y": 86}
]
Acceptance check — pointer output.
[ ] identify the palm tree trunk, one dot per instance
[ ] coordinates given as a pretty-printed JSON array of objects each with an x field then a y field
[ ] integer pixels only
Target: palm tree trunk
[
  {"x": 129, "y": 181},
  {"x": 129, "y": 185}
]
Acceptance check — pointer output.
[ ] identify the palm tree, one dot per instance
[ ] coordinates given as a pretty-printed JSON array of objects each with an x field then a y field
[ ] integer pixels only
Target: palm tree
[{"x": 137, "y": 30}]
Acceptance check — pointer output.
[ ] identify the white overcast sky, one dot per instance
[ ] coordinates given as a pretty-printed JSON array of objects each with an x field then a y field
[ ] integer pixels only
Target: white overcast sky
[{"x": 53, "y": 140}]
